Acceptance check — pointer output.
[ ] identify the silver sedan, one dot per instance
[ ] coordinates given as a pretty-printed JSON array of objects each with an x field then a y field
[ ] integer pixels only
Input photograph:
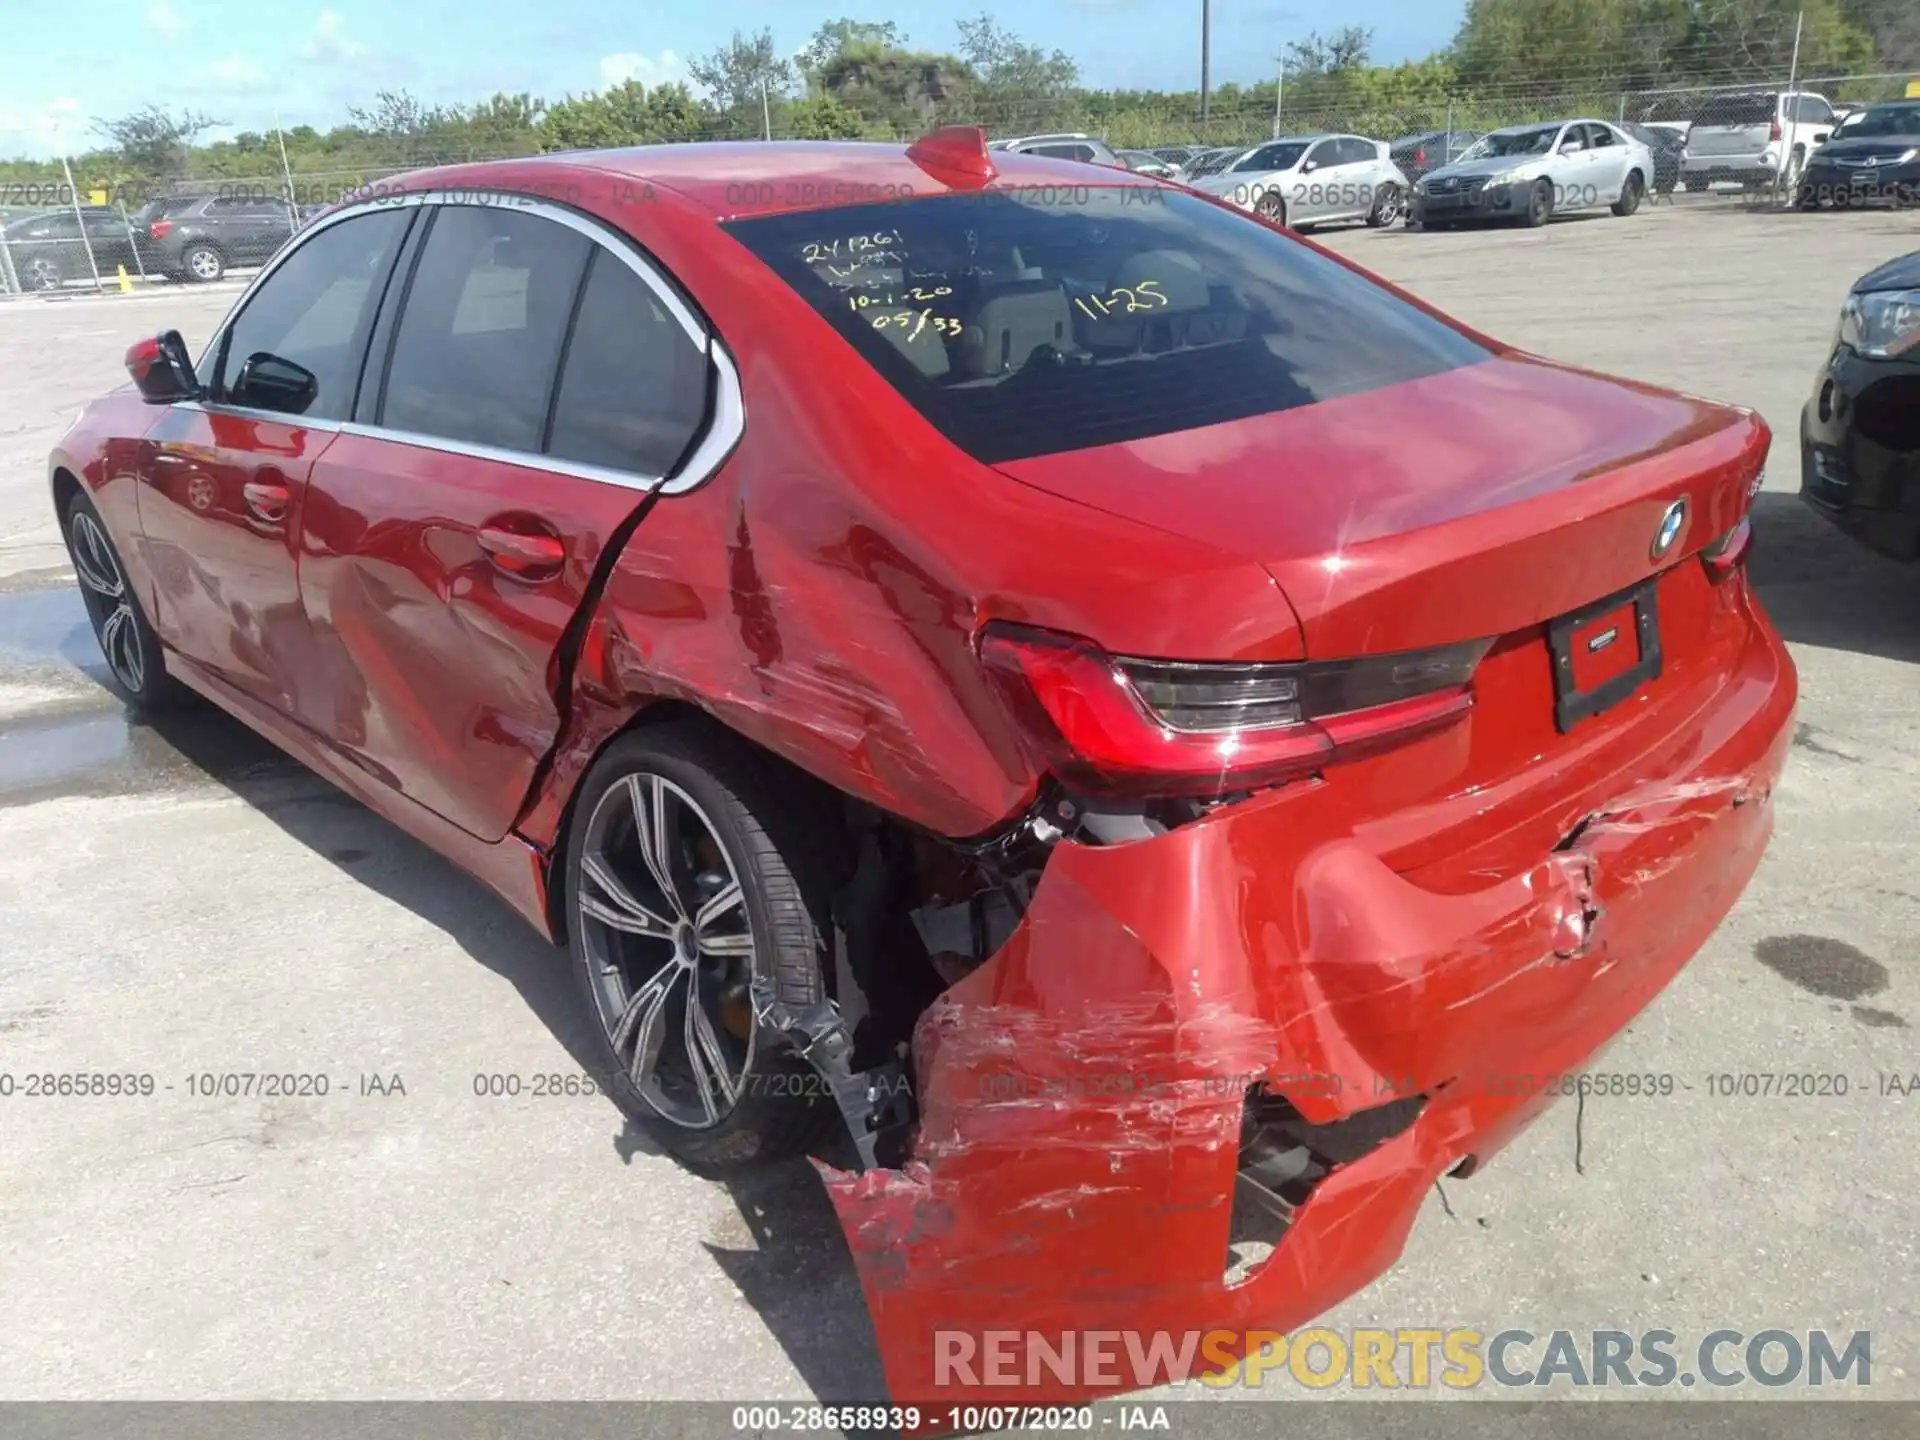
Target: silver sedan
[{"x": 1313, "y": 180}]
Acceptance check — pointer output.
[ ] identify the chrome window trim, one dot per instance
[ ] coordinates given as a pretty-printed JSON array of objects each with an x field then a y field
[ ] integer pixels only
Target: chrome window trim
[{"x": 723, "y": 432}]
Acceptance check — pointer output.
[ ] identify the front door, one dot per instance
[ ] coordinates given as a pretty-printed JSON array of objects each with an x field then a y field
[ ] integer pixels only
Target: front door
[
  {"x": 223, "y": 480},
  {"x": 541, "y": 382},
  {"x": 1609, "y": 164}
]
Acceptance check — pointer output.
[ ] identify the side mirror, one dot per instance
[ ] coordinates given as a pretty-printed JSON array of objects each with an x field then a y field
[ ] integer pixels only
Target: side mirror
[
  {"x": 162, "y": 370},
  {"x": 1568, "y": 147},
  {"x": 269, "y": 382},
  {"x": 1309, "y": 166}
]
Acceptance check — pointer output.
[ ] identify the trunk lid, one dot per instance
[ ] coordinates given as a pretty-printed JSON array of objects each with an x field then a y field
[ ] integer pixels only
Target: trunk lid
[{"x": 1476, "y": 502}]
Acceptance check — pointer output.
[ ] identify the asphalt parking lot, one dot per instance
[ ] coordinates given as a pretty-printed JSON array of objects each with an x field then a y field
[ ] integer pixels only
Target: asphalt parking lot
[{"x": 181, "y": 901}]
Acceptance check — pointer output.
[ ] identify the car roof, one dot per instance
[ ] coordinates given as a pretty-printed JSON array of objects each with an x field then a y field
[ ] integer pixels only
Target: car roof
[{"x": 736, "y": 178}]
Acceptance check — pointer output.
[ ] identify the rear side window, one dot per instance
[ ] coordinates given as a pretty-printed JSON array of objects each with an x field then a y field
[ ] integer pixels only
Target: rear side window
[
  {"x": 315, "y": 310},
  {"x": 478, "y": 343},
  {"x": 1023, "y": 328},
  {"x": 1354, "y": 151},
  {"x": 634, "y": 392},
  {"x": 1063, "y": 152}
]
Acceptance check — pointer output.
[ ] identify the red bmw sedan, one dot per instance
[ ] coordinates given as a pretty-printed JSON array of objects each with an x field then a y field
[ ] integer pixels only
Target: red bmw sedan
[{"x": 1063, "y": 700}]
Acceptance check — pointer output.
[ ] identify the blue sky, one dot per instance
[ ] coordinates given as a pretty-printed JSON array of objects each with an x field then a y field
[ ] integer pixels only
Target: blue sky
[{"x": 240, "y": 60}]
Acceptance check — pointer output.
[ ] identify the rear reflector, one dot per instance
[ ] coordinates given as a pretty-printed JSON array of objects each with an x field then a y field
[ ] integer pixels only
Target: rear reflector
[{"x": 1156, "y": 727}]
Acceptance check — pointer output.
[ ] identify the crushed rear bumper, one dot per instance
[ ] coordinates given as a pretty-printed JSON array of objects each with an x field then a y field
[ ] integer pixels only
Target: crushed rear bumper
[{"x": 1084, "y": 1093}]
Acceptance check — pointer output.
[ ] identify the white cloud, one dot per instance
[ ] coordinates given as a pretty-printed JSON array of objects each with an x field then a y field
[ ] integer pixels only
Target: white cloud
[
  {"x": 236, "y": 72},
  {"x": 647, "y": 69},
  {"x": 164, "y": 18},
  {"x": 331, "y": 41}
]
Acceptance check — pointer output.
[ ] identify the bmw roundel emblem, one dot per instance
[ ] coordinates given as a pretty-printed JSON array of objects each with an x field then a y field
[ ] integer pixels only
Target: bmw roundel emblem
[{"x": 1672, "y": 525}]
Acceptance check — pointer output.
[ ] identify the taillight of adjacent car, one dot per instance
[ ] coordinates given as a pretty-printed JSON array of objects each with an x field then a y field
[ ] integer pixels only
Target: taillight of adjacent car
[
  {"x": 1115, "y": 725},
  {"x": 159, "y": 229},
  {"x": 1773, "y": 133}
]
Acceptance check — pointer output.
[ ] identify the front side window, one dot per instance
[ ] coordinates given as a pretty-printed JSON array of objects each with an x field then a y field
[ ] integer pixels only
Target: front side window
[
  {"x": 1021, "y": 328},
  {"x": 1064, "y": 152},
  {"x": 313, "y": 312},
  {"x": 478, "y": 342}
]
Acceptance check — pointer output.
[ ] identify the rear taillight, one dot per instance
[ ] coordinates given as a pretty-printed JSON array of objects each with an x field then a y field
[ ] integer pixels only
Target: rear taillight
[
  {"x": 1114, "y": 725},
  {"x": 1420, "y": 157},
  {"x": 1726, "y": 554},
  {"x": 159, "y": 229},
  {"x": 1773, "y": 132}
]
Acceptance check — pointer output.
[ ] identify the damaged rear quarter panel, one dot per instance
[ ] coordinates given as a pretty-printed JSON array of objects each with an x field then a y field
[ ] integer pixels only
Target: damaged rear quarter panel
[{"x": 1082, "y": 1093}]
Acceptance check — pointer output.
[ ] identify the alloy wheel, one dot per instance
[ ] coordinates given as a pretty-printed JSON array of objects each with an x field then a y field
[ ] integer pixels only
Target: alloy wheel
[
  {"x": 204, "y": 264},
  {"x": 1389, "y": 210},
  {"x": 670, "y": 949},
  {"x": 109, "y": 605},
  {"x": 42, "y": 274}
]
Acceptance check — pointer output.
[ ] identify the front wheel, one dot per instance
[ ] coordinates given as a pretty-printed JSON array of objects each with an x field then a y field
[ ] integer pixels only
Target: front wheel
[
  {"x": 1272, "y": 206},
  {"x": 1386, "y": 207},
  {"x": 694, "y": 900},
  {"x": 41, "y": 272},
  {"x": 132, "y": 649},
  {"x": 1630, "y": 194},
  {"x": 1540, "y": 204}
]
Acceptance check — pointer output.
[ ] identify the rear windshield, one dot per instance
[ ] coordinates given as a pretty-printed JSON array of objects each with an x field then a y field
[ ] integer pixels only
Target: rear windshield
[
  {"x": 1738, "y": 110},
  {"x": 1032, "y": 322}
]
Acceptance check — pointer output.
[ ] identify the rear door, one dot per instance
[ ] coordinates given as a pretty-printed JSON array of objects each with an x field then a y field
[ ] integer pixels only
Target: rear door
[
  {"x": 1607, "y": 169},
  {"x": 1313, "y": 194},
  {"x": 532, "y": 381}
]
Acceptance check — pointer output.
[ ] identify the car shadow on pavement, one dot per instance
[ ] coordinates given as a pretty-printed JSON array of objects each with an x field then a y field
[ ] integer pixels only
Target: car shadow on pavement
[
  {"x": 1822, "y": 587},
  {"x": 788, "y": 1258}
]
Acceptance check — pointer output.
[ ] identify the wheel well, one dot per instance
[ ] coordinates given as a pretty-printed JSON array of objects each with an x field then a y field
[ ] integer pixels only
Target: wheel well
[
  {"x": 65, "y": 486},
  {"x": 664, "y": 712}
]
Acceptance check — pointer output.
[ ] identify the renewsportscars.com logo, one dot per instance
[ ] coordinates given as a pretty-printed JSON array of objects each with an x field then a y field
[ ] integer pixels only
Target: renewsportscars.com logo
[{"x": 1416, "y": 1359}]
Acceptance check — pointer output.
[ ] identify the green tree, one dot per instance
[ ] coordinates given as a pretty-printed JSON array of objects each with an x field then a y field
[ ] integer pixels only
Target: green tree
[
  {"x": 821, "y": 117},
  {"x": 833, "y": 39},
  {"x": 154, "y": 143},
  {"x": 742, "y": 72},
  {"x": 1020, "y": 86}
]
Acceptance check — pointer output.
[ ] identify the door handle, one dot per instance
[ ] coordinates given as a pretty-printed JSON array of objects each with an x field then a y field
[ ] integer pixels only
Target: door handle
[
  {"x": 266, "y": 500},
  {"x": 522, "y": 554}
]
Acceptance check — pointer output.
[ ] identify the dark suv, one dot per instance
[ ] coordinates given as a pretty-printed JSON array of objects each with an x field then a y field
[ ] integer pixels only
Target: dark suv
[
  {"x": 198, "y": 237},
  {"x": 47, "y": 250}
]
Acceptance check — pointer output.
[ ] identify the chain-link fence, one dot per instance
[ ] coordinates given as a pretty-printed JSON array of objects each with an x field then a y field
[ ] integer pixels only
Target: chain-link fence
[{"x": 1746, "y": 138}]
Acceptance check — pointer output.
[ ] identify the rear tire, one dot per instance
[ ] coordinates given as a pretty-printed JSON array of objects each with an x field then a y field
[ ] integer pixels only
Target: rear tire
[
  {"x": 1386, "y": 207},
  {"x": 1630, "y": 194},
  {"x": 136, "y": 666},
  {"x": 1539, "y": 204},
  {"x": 41, "y": 272},
  {"x": 693, "y": 880},
  {"x": 203, "y": 264}
]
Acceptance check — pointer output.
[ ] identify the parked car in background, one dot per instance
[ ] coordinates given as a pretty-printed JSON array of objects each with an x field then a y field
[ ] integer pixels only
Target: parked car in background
[
  {"x": 200, "y": 237},
  {"x": 1088, "y": 148},
  {"x": 1313, "y": 180},
  {"x": 1873, "y": 156},
  {"x": 1860, "y": 431},
  {"x": 1145, "y": 162},
  {"x": 1666, "y": 144},
  {"x": 1754, "y": 137},
  {"x": 1175, "y": 155},
  {"x": 1531, "y": 173},
  {"x": 48, "y": 250},
  {"x": 1209, "y": 162},
  {"x": 1417, "y": 154}
]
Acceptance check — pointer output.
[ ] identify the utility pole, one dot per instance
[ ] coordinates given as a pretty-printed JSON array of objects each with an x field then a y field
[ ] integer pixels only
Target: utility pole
[
  {"x": 766, "y": 110},
  {"x": 1206, "y": 57},
  {"x": 1793, "y": 107},
  {"x": 1279, "y": 92}
]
